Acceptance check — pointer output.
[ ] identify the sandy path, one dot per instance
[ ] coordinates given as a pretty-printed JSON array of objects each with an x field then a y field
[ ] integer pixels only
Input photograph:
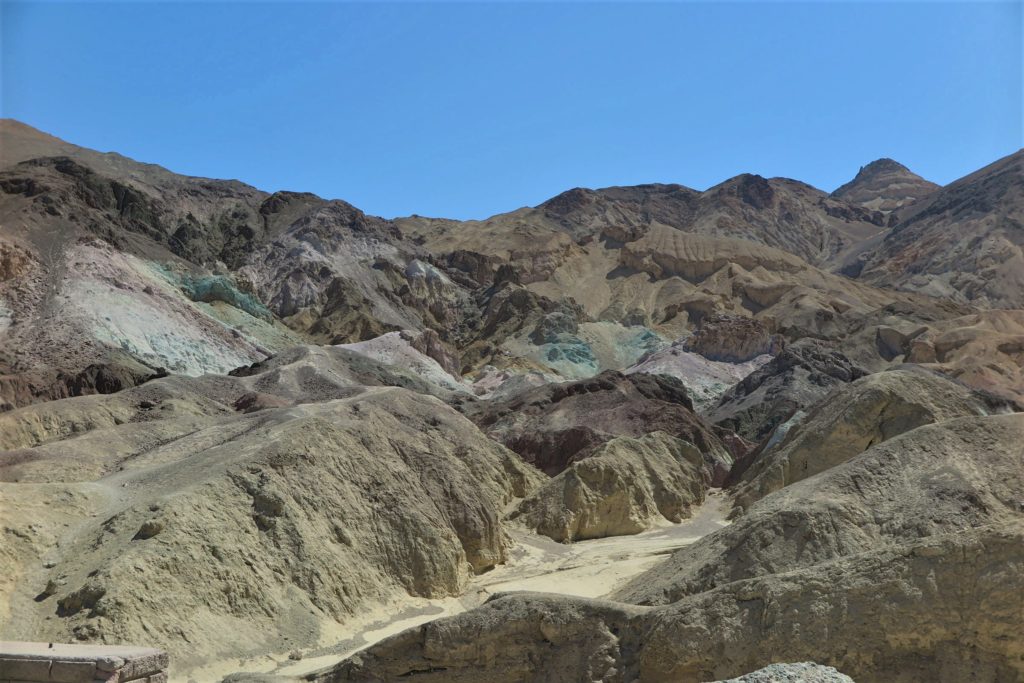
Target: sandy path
[{"x": 585, "y": 568}]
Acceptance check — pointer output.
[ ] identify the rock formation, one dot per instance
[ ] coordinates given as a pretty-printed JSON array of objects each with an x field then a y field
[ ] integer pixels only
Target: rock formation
[
  {"x": 962, "y": 241},
  {"x": 864, "y": 567},
  {"x": 943, "y": 478},
  {"x": 705, "y": 380},
  {"x": 885, "y": 185},
  {"x": 625, "y": 486},
  {"x": 555, "y": 425},
  {"x": 853, "y": 418},
  {"x": 733, "y": 339},
  {"x": 251, "y": 533},
  {"x": 797, "y": 378},
  {"x": 804, "y": 672},
  {"x": 898, "y": 614}
]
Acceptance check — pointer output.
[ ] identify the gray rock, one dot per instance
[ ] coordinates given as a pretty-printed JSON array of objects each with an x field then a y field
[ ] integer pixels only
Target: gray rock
[
  {"x": 800, "y": 376},
  {"x": 804, "y": 672}
]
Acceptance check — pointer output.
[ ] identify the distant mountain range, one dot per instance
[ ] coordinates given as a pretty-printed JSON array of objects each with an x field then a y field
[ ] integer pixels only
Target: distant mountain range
[{"x": 613, "y": 266}]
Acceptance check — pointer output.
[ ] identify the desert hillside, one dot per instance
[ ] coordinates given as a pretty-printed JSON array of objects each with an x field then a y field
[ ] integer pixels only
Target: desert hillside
[{"x": 645, "y": 433}]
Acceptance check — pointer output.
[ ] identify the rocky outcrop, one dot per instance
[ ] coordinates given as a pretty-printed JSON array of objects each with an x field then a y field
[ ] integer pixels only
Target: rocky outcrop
[
  {"x": 944, "y": 478},
  {"x": 119, "y": 371},
  {"x": 554, "y": 425},
  {"x": 885, "y": 185},
  {"x": 733, "y": 339},
  {"x": 855, "y": 417},
  {"x": 36, "y": 436},
  {"x": 398, "y": 351},
  {"x": 983, "y": 350},
  {"x": 705, "y": 380},
  {"x": 797, "y": 378},
  {"x": 509, "y": 310},
  {"x": 53, "y": 662},
  {"x": 921, "y": 537},
  {"x": 430, "y": 344},
  {"x": 626, "y": 486}
]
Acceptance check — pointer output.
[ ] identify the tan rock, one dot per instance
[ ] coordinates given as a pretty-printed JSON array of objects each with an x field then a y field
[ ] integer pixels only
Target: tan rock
[
  {"x": 732, "y": 338},
  {"x": 257, "y": 531},
  {"x": 625, "y": 487},
  {"x": 948, "y": 477}
]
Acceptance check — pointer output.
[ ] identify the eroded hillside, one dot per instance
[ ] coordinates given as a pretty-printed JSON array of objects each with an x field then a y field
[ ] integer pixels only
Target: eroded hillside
[{"x": 719, "y": 429}]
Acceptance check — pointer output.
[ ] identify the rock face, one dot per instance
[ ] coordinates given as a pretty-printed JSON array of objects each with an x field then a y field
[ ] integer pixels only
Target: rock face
[
  {"x": 554, "y": 425},
  {"x": 705, "y": 380},
  {"x": 984, "y": 350},
  {"x": 885, "y": 185},
  {"x": 733, "y": 339},
  {"x": 623, "y": 488},
  {"x": 855, "y": 417},
  {"x": 795, "y": 379},
  {"x": 43, "y": 662}
]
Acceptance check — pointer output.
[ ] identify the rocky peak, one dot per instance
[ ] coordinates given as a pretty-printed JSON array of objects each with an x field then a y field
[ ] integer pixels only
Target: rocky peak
[
  {"x": 569, "y": 201},
  {"x": 752, "y": 189},
  {"x": 885, "y": 185}
]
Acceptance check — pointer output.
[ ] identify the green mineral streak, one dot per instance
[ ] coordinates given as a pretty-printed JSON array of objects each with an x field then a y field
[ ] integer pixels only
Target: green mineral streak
[
  {"x": 214, "y": 288},
  {"x": 573, "y": 351}
]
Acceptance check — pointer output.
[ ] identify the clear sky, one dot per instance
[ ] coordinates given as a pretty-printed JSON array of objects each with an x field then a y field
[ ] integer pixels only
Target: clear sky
[{"x": 465, "y": 110}]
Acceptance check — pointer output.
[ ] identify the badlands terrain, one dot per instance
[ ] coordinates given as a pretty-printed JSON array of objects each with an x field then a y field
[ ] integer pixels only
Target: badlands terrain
[{"x": 637, "y": 433}]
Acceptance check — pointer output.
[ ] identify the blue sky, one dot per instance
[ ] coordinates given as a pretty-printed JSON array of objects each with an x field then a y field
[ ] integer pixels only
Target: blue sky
[{"x": 465, "y": 110}]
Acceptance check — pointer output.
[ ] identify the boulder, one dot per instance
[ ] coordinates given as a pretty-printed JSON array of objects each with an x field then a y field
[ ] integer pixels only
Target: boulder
[{"x": 804, "y": 672}]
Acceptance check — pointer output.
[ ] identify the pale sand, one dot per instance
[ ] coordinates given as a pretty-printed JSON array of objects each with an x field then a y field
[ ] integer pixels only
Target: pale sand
[{"x": 586, "y": 568}]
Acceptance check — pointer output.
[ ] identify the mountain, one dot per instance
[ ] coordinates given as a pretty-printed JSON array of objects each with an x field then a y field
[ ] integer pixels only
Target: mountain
[
  {"x": 103, "y": 255},
  {"x": 885, "y": 185},
  {"x": 964, "y": 242},
  {"x": 776, "y": 212}
]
